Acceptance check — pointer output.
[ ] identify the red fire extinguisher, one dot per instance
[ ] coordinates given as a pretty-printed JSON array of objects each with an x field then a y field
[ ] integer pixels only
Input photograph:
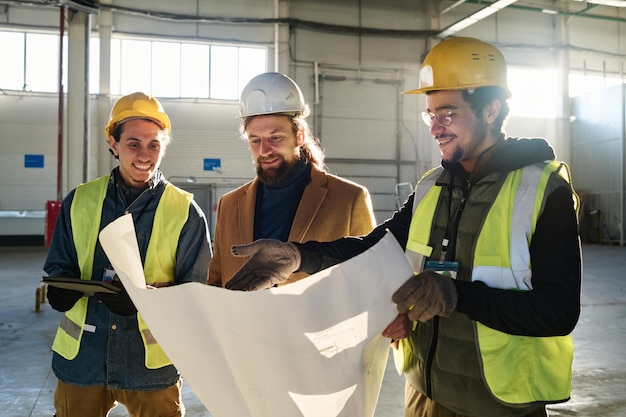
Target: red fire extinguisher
[{"x": 52, "y": 212}]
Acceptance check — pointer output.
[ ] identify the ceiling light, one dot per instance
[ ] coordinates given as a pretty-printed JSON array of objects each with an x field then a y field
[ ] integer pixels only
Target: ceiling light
[{"x": 494, "y": 7}]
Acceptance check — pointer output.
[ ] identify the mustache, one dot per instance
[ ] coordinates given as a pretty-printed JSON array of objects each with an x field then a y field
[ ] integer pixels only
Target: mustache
[
  {"x": 267, "y": 158},
  {"x": 444, "y": 136}
]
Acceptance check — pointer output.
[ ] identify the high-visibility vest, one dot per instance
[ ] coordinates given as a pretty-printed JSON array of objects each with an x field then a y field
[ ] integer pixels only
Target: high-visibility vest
[
  {"x": 516, "y": 369},
  {"x": 85, "y": 215}
]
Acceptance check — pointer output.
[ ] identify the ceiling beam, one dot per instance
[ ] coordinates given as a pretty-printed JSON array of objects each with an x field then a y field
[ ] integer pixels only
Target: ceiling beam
[{"x": 613, "y": 3}]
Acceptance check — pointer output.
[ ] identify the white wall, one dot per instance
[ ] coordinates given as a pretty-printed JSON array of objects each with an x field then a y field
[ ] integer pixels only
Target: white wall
[{"x": 371, "y": 133}]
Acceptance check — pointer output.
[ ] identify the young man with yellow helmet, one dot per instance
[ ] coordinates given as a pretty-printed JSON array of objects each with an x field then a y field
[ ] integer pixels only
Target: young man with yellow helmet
[
  {"x": 103, "y": 351},
  {"x": 485, "y": 323}
]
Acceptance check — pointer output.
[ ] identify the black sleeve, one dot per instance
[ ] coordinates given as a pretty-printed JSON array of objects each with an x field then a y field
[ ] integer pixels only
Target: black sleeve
[
  {"x": 316, "y": 256},
  {"x": 552, "y": 307}
]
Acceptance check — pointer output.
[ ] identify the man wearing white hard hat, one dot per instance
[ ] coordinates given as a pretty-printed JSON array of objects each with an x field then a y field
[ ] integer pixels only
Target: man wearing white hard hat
[
  {"x": 103, "y": 352},
  {"x": 484, "y": 325},
  {"x": 292, "y": 197}
]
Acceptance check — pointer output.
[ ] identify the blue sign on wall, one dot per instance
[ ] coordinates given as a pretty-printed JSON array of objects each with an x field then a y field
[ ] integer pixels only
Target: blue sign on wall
[
  {"x": 212, "y": 164},
  {"x": 33, "y": 161}
]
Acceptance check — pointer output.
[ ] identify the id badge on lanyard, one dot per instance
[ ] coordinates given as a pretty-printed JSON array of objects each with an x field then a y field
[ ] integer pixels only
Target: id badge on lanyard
[
  {"x": 109, "y": 275},
  {"x": 446, "y": 268}
]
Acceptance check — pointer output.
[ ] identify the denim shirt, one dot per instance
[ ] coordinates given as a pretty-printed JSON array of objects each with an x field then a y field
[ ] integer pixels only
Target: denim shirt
[{"x": 112, "y": 351}]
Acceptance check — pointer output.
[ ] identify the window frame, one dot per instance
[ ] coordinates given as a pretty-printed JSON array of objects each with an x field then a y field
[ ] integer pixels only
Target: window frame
[{"x": 119, "y": 83}]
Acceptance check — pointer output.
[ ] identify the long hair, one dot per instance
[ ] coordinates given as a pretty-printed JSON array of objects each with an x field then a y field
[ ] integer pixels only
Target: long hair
[{"x": 311, "y": 148}]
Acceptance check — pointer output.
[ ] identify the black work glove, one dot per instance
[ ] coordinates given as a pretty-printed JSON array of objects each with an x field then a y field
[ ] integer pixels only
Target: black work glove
[
  {"x": 120, "y": 302},
  {"x": 271, "y": 262},
  {"x": 62, "y": 299},
  {"x": 426, "y": 295}
]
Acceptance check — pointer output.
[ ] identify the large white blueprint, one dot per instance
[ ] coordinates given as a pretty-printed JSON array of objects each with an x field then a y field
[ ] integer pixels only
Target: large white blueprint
[{"x": 312, "y": 348}]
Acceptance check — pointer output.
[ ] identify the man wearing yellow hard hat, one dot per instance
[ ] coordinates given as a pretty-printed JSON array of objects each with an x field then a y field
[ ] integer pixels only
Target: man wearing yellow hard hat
[
  {"x": 103, "y": 351},
  {"x": 485, "y": 323}
]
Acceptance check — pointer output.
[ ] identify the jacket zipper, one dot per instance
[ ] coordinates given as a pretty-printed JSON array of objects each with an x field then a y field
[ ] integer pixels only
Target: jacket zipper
[{"x": 452, "y": 249}]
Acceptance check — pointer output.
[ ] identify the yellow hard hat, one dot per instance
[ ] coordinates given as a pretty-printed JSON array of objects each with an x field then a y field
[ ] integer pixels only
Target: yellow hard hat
[
  {"x": 462, "y": 64},
  {"x": 137, "y": 106}
]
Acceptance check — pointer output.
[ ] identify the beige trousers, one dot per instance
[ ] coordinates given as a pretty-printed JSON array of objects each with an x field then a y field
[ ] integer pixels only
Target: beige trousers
[
  {"x": 417, "y": 404},
  {"x": 97, "y": 401}
]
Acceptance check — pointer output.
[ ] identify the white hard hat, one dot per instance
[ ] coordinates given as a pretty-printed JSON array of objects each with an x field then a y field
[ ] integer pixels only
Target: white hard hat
[{"x": 272, "y": 93}]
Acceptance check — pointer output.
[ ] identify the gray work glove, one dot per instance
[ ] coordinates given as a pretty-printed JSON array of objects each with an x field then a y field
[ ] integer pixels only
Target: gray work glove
[
  {"x": 426, "y": 295},
  {"x": 271, "y": 261}
]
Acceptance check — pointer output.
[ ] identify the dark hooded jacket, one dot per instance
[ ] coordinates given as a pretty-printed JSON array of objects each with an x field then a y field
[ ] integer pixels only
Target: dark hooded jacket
[{"x": 552, "y": 308}]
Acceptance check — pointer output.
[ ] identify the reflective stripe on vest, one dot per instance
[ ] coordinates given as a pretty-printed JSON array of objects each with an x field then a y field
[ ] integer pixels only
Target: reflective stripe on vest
[
  {"x": 160, "y": 262},
  {"x": 517, "y": 369},
  {"x": 417, "y": 248},
  {"x": 70, "y": 332},
  {"x": 159, "y": 265}
]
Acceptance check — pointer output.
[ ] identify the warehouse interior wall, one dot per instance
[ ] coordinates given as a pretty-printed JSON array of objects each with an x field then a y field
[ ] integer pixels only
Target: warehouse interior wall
[
  {"x": 352, "y": 58},
  {"x": 598, "y": 144}
]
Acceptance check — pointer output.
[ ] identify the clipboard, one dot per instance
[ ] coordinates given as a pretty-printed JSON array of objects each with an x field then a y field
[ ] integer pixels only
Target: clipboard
[{"x": 88, "y": 287}]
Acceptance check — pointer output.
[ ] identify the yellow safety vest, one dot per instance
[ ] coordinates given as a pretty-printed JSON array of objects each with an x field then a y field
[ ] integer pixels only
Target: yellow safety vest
[
  {"x": 85, "y": 215},
  {"x": 517, "y": 369}
]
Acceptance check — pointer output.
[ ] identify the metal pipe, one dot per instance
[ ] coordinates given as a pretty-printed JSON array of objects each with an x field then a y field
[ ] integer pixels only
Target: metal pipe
[
  {"x": 316, "y": 82},
  {"x": 60, "y": 109},
  {"x": 621, "y": 180}
]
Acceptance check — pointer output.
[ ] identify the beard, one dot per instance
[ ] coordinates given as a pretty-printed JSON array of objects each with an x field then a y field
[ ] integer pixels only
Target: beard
[
  {"x": 470, "y": 151},
  {"x": 276, "y": 176}
]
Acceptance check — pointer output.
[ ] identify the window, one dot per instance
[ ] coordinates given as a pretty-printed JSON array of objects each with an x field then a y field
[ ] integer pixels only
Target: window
[
  {"x": 42, "y": 57},
  {"x": 580, "y": 83},
  {"x": 195, "y": 64},
  {"x": 94, "y": 68},
  {"x": 135, "y": 68},
  {"x": 188, "y": 70},
  {"x": 12, "y": 51},
  {"x": 30, "y": 61},
  {"x": 223, "y": 72},
  {"x": 161, "y": 68},
  {"x": 535, "y": 92}
]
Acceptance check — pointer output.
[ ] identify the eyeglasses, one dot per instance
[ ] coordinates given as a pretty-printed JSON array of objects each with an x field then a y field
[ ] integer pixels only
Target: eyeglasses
[{"x": 443, "y": 116}]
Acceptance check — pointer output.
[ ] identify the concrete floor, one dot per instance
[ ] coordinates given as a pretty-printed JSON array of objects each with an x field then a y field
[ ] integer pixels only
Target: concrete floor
[{"x": 27, "y": 384}]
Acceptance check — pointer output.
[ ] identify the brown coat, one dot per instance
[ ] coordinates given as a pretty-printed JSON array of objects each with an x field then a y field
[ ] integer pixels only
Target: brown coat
[{"x": 331, "y": 207}]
